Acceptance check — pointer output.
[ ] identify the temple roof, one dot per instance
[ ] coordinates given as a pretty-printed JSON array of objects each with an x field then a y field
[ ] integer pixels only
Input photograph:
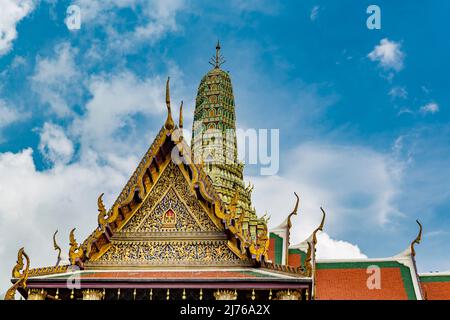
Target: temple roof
[
  {"x": 355, "y": 279},
  {"x": 435, "y": 285}
]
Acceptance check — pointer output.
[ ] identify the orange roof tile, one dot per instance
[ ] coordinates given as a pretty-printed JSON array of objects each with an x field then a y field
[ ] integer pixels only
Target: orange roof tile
[
  {"x": 348, "y": 281},
  {"x": 436, "y": 287}
]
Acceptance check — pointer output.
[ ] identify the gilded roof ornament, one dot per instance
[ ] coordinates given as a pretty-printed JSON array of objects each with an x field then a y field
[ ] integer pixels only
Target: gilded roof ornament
[
  {"x": 57, "y": 248},
  {"x": 180, "y": 125},
  {"x": 294, "y": 212},
  {"x": 169, "y": 125},
  {"x": 320, "y": 227},
  {"x": 102, "y": 214},
  {"x": 20, "y": 273},
  {"x": 417, "y": 239},
  {"x": 75, "y": 251}
]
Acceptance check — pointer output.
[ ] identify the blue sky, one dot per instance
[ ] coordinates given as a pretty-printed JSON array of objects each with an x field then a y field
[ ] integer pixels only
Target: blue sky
[{"x": 363, "y": 114}]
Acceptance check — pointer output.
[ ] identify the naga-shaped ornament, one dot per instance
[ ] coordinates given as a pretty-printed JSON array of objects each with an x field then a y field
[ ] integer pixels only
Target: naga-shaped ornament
[
  {"x": 417, "y": 239},
  {"x": 57, "y": 248},
  {"x": 19, "y": 273},
  {"x": 102, "y": 214},
  {"x": 75, "y": 252}
]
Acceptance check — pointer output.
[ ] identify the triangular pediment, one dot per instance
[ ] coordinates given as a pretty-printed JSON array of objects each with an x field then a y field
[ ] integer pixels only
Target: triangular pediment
[
  {"x": 170, "y": 227},
  {"x": 171, "y": 198}
]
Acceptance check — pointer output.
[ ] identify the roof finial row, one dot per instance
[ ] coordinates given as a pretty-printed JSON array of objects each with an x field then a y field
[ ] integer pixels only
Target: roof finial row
[{"x": 217, "y": 60}]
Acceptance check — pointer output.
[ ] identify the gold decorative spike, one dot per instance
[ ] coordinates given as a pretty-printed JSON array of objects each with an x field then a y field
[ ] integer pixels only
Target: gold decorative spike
[
  {"x": 102, "y": 214},
  {"x": 234, "y": 204},
  {"x": 57, "y": 248},
  {"x": 180, "y": 124},
  {"x": 168, "y": 294},
  {"x": 134, "y": 294},
  {"x": 201, "y": 294},
  {"x": 104, "y": 294},
  {"x": 72, "y": 294},
  {"x": 253, "y": 294},
  {"x": 417, "y": 239},
  {"x": 151, "y": 294},
  {"x": 320, "y": 227},
  {"x": 75, "y": 251},
  {"x": 20, "y": 273},
  {"x": 308, "y": 265},
  {"x": 57, "y": 294},
  {"x": 294, "y": 212},
  {"x": 118, "y": 294},
  {"x": 184, "y": 294},
  {"x": 270, "y": 294},
  {"x": 169, "y": 125}
]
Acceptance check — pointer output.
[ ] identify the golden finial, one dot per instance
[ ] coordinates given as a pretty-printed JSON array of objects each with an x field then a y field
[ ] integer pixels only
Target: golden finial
[
  {"x": 218, "y": 59},
  {"x": 184, "y": 294},
  {"x": 294, "y": 212},
  {"x": 75, "y": 251},
  {"x": 181, "y": 116},
  {"x": 417, "y": 239},
  {"x": 169, "y": 121},
  {"x": 201, "y": 294},
  {"x": 20, "y": 271},
  {"x": 57, "y": 248},
  {"x": 168, "y": 295},
  {"x": 320, "y": 227}
]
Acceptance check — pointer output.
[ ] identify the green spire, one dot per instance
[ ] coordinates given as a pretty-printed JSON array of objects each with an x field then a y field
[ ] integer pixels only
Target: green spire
[{"x": 214, "y": 134}]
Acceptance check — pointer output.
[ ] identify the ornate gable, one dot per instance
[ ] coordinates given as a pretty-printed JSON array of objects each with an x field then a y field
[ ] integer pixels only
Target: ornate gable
[
  {"x": 170, "y": 227},
  {"x": 171, "y": 199}
]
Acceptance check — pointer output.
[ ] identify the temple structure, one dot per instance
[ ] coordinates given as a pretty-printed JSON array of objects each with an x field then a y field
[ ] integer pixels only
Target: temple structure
[{"x": 184, "y": 227}]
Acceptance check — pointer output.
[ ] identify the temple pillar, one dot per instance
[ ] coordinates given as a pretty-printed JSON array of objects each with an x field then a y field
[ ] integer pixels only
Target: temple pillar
[{"x": 92, "y": 294}]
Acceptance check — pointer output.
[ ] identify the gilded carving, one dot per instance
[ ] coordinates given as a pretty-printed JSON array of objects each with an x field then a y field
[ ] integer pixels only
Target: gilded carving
[
  {"x": 160, "y": 252},
  {"x": 225, "y": 295},
  {"x": 288, "y": 295},
  {"x": 190, "y": 215}
]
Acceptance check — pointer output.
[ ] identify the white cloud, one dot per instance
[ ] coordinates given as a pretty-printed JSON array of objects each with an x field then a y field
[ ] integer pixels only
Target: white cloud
[
  {"x": 328, "y": 248},
  {"x": 57, "y": 79},
  {"x": 314, "y": 13},
  {"x": 11, "y": 13},
  {"x": 262, "y": 6},
  {"x": 8, "y": 114},
  {"x": 54, "y": 144},
  {"x": 116, "y": 99},
  {"x": 155, "y": 19},
  {"x": 388, "y": 54},
  {"x": 431, "y": 107},
  {"x": 398, "y": 92}
]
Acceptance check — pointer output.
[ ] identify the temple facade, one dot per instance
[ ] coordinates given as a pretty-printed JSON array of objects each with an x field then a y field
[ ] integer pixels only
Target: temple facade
[{"x": 184, "y": 228}]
